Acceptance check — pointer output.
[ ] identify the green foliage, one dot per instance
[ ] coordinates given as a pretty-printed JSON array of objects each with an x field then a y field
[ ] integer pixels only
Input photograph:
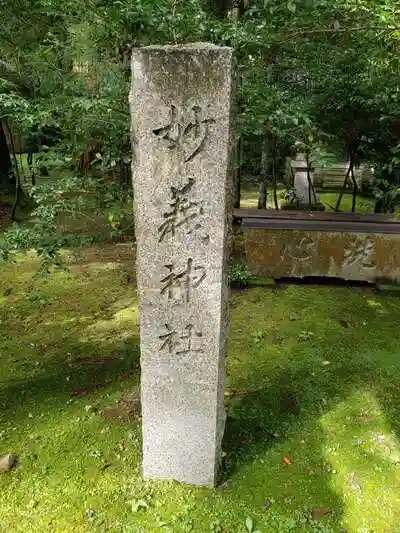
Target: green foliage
[
  {"x": 240, "y": 274},
  {"x": 316, "y": 76},
  {"x": 387, "y": 195},
  {"x": 216, "y": 527},
  {"x": 250, "y": 526},
  {"x": 70, "y": 198}
]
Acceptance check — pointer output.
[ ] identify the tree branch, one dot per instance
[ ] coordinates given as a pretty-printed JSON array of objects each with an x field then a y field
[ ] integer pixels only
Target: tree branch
[{"x": 343, "y": 29}]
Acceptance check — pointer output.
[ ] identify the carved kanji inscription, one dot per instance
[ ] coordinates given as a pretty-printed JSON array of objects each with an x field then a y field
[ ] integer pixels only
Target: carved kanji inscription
[
  {"x": 178, "y": 284},
  {"x": 184, "y": 212},
  {"x": 178, "y": 341},
  {"x": 360, "y": 252},
  {"x": 186, "y": 131}
]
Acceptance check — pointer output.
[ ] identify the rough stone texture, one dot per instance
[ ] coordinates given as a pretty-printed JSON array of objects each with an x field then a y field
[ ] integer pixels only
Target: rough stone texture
[
  {"x": 276, "y": 253},
  {"x": 181, "y": 103}
]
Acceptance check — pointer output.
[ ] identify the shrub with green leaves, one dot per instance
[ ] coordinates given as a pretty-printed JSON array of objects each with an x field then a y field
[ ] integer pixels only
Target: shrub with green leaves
[{"x": 240, "y": 275}]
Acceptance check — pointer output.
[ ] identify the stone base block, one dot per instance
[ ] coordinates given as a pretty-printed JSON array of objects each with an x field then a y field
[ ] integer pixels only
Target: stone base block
[{"x": 274, "y": 253}]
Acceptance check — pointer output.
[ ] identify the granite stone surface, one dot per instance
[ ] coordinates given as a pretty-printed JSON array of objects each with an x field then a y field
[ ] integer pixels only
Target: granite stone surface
[
  {"x": 277, "y": 253},
  {"x": 182, "y": 134}
]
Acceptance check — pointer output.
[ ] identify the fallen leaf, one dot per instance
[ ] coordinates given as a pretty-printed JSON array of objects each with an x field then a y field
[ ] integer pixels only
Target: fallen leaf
[
  {"x": 79, "y": 392},
  {"x": 320, "y": 513},
  {"x": 127, "y": 410},
  {"x": 286, "y": 460}
]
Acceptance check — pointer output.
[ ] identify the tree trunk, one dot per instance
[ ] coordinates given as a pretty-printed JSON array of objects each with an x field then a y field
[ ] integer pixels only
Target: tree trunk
[
  {"x": 355, "y": 190},
  {"x": 349, "y": 175},
  {"x": 341, "y": 193},
  {"x": 275, "y": 182},
  {"x": 310, "y": 199},
  {"x": 396, "y": 176},
  {"x": 234, "y": 14},
  {"x": 235, "y": 9},
  {"x": 19, "y": 193},
  {"x": 263, "y": 196},
  {"x": 31, "y": 169},
  {"x": 7, "y": 178},
  {"x": 274, "y": 176},
  {"x": 237, "y": 175}
]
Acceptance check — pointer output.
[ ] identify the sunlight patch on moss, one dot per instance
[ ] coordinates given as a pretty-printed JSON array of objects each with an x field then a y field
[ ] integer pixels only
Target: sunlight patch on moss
[
  {"x": 128, "y": 303},
  {"x": 124, "y": 323},
  {"x": 97, "y": 267},
  {"x": 363, "y": 455}
]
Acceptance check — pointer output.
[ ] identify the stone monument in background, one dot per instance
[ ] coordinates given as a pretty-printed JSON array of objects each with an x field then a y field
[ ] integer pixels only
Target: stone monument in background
[
  {"x": 181, "y": 104},
  {"x": 306, "y": 196}
]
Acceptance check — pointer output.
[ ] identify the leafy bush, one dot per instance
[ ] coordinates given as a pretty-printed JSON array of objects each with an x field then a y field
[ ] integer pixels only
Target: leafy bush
[
  {"x": 387, "y": 196},
  {"x": 239, "y": 274}
]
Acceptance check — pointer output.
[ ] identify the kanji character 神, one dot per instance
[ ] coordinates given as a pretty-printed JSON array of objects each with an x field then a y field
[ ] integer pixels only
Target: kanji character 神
[{"x": 182, "y": 282}]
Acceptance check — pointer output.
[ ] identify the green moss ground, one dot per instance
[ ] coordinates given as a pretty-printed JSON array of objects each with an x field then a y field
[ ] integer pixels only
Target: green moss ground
[
  {"x": 363, "y": 206},
  {"x": 313, "y": 377}
]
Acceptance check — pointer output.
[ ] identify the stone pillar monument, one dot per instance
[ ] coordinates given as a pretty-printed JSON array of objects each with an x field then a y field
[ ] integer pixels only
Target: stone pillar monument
[
  {"x": 181, "y": 104},
  {"x": 306, "y": 196}
]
